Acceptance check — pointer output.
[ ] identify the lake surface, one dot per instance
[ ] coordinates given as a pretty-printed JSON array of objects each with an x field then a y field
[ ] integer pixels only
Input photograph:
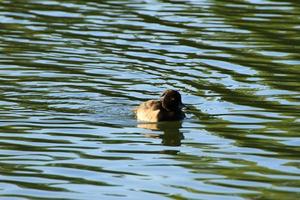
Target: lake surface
[{"x": 71, "y": 72}]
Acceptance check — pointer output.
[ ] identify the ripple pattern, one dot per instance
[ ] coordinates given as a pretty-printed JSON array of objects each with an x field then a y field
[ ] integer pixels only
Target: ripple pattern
[{"x": 72, "y": 71}]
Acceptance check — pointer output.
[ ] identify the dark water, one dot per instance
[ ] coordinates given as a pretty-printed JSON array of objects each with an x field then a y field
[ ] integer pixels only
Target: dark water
[{"x": 72, "y": 71}]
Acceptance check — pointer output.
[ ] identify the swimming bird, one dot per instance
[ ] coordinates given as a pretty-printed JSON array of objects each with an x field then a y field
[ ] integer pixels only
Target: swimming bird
[{"x": 167, "y": 108}]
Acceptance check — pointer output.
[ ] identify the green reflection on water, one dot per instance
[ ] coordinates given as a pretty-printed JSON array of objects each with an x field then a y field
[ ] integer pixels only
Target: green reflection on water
[{"x": 71, "y": 73}]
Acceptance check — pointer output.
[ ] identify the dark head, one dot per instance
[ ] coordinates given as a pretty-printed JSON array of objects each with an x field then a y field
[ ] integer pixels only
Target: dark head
[{"x": 171, "y": 100}]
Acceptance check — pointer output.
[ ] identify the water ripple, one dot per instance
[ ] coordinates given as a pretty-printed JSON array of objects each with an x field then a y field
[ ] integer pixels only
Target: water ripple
[{"x": 72, "y": 72}]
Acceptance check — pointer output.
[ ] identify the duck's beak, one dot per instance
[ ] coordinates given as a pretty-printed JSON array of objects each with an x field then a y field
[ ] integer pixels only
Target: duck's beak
[{"x": 181, "y": 106}]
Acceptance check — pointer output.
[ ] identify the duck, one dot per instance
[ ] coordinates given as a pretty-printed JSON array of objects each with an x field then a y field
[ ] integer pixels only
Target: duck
[{"x": 167, "y": 108}]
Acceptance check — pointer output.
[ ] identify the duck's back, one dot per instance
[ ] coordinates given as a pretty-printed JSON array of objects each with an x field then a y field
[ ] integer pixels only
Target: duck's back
[{"x": 148, "y": 111}]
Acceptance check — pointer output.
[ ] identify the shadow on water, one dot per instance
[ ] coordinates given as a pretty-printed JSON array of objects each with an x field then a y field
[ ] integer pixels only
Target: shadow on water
[{"x": 171, "y": 135}]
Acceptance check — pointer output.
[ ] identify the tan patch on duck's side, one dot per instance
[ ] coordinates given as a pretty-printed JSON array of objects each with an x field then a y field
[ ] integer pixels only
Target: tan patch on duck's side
[
  {"x": 147, "y": 116},
  {"x": 148, "y": 111}
]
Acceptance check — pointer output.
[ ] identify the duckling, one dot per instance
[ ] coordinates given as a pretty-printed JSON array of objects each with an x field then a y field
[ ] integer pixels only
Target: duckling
[{"x": 167, "y": 108}]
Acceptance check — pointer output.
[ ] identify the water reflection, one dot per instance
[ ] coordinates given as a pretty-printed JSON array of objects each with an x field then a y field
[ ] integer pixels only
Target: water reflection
[
  {"x": 171, "y": 136},
  {"x": 70, "y": 72}
]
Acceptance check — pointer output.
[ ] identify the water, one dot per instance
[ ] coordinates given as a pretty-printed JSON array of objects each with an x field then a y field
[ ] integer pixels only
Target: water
[{"x": 72, "y": 71}]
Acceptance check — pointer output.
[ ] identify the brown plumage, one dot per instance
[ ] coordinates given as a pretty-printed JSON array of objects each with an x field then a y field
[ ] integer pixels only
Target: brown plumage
[{"x": 167, "y": 108}]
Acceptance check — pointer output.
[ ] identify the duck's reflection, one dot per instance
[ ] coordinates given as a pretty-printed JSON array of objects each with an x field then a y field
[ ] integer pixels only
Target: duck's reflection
[{"x": 171, "y": 132}]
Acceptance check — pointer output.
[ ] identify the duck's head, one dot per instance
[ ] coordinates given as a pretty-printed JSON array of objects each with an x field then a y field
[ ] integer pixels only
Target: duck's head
[{"x": 171, "y": 100}]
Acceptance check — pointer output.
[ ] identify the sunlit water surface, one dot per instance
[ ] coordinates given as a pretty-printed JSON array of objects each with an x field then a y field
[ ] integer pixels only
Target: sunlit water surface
[{"x": 71, "y": 73}]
